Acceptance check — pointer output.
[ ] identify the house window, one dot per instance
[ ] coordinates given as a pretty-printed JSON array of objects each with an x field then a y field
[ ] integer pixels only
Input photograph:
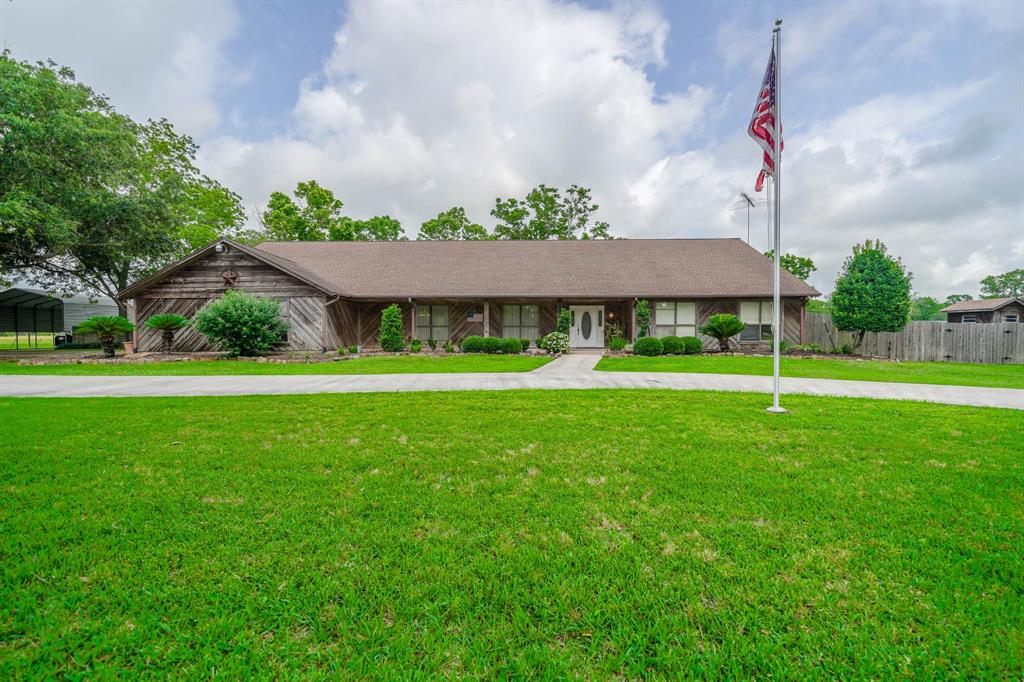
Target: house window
[
  {"x": 520, "y": 321},
  {"x": 969, "y": 319},
  {"x": 1011, "y": 317},
  {"x": 432, "y": 322},
  {"x": 757, "y": 316},
  {"x": 675, "y": 318}
]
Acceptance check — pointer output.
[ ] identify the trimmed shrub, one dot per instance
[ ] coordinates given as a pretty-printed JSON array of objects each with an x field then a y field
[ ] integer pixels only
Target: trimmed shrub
[
  {"x": 448, "y": 347},
  {"x": 692, "y": 345},
  {"x": 555, "y": 342},
  {"x": 564, "y": 322},
  {"x": 391, "y": 333},
  {"x": 649, "y": 346},
  {"x": 643, "y": 318},
  {"x": 432, "y": 343},
  {"x": 472, "y": 344},
  {"x": 492, "y": 344},
  {"x": 512, "y": 346},
  {"x": 353, "y": 349},
  {"x": 525, "y": 343},
  {"x": 416, "y": 346},
  {"x": 672, "y": 345},
  {"x": 242, "y": 324},
  {"x": 616, "y": 343}
]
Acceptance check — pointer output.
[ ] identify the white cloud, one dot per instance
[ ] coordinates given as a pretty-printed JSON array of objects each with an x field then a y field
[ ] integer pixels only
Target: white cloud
[{"x": 154, "y": 59}]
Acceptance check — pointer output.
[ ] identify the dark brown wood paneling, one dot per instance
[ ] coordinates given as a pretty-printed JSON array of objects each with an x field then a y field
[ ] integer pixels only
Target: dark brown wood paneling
[
  {"x": 459, "y": 326},
  {"x": 204, "y": 279},
  {"x": 341, "y": 325}
]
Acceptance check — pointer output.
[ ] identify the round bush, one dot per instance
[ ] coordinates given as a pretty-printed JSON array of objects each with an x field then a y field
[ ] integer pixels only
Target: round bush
[
  {"x": 472, "y": 344},
  {"x": 242, "y": 324},
  {"x": 492, "y": 344},
  {"x": 526, "y": 343},
  {"x": 555, "y": 342},
  {"x": 672, "y": 345},
  {"x": 511, "y": 346},
  {"x": 693, "y": 345},
  {"x": 648, "y": 345}
]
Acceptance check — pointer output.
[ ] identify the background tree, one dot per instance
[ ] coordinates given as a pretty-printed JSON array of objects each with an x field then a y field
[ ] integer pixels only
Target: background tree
[
  {"x": 316, "y": 214},
  {"x": 89, "y": 199},
  {"x": 1001, "y": 286},
  {"x": 797, "y": 265},
  {"x": 377, "y": 229},
  {"x": 872, "y": 293},
  {"x": 546, "y": 214},
  {"x": 452, "y": 225},
  {"x": 956, "y": 298},
  {"x": 926, "y": 308}
]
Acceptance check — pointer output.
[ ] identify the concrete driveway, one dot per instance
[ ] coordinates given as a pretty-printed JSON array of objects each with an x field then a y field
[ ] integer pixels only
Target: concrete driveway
[{"x": 568, "y": 372}]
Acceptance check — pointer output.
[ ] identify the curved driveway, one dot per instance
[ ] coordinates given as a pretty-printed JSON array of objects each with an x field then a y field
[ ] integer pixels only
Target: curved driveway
[{"x": 568, "y": 372}]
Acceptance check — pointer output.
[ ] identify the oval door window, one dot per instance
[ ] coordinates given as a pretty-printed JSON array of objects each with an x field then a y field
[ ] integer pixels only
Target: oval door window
[{"x": 585, "y": 325}]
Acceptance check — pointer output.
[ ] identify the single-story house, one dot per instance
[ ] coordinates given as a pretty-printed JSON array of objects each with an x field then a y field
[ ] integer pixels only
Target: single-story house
[
  {"x": 332, "y": 293},
  {"x": 1008, "y": 309}
]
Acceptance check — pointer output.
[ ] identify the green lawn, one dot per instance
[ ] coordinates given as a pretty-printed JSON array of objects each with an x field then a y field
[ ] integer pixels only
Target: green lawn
[
  {"x": 26, "y": 341},
  {"x": 591, "y": 534},
  {"x": 383, "y": 364},
  {"x": 949, "y": 373}
]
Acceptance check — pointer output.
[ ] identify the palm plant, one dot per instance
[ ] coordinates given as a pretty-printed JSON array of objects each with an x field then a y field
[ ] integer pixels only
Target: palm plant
[
  {"x": 168, "y": 323},
  {"x": 106, "y": 328},
  {"x": 722, "y": 327}
]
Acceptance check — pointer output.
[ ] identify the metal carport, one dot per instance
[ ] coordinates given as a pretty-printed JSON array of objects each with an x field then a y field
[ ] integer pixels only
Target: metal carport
[{"x": 33, "y": 311}]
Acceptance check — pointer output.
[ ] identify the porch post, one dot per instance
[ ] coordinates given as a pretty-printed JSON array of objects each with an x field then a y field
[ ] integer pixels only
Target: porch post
[
  {"x": 632, "y": 321},
  {"x": 487, "y": 318}
]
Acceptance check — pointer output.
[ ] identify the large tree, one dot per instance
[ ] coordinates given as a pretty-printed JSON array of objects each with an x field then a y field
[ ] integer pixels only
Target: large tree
[
  {"x": 1001, "y": 286},
  {"x": 316, "y": 214},
  {"x": 545, "y": 213},
  {"x": 452, "y": 225},
  {"x": 872, "y": 293},
  {"x": 89, "y": 199},
  {"x": 800, "y": 266},
  {"x": 926, "y": 308}
]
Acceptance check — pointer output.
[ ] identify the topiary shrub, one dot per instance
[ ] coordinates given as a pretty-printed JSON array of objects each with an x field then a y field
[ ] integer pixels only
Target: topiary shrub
[
  {"x": 492, "y": 344},
  {"x": 649, "y": 346},
  {"x": 242, "y": 324},
  {"x": 616, "y": 343},
  {"x": 416, "y": 346},
  {"x": 391, "y": 333},
  {"x": 512, "y": 346},
  {"x": 723, "y": 327},
  {"x": 472, "y": 344},
  {"x": 525, "y": 343},
  {"x": 672, "y": 345},
  {"x": 555, "y": 342},
  {"x": 692, "y": 345}
]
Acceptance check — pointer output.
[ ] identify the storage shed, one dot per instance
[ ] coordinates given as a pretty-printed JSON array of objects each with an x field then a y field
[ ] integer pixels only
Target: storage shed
[{"x": 33, "y": 311}]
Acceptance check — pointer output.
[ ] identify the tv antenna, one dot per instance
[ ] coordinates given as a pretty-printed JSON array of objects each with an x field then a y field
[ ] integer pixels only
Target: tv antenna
[{"x": 747, "y": 202}]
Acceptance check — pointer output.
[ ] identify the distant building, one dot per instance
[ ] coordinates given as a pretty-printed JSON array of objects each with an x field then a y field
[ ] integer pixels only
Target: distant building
[
  {"x": 26, "y": 311},
  {"x": 985, "y": 310}
]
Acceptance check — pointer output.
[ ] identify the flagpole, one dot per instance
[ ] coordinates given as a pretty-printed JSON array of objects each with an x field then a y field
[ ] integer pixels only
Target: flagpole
[{"x": 777, "y": 237}]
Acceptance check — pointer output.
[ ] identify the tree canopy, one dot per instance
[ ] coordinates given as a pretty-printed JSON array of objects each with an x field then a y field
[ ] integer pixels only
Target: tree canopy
[
  {"x": 926, "y": 308},
  {"x": 1001, "y": 286},
  {"x": 316, "y": 214},
  {"x": 545, "y": 213},
  {"x": 453, "y": 225},
  {"x": 872, "y": 293},
  {"x": 797, "y": 265},
  {"x": 89, "y": 199}
]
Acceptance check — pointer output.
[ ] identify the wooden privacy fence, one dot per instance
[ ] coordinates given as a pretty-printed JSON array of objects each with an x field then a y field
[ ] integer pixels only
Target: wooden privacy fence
[{"x": 995, "y": 343}]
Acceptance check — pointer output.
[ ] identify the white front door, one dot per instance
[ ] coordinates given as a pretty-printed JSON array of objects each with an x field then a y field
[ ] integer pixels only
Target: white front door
[{"x": 586, "y": 326}]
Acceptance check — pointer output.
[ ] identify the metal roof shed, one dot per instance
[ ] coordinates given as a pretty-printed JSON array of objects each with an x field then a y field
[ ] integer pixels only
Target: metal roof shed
[{"x": 34, "y": 311}]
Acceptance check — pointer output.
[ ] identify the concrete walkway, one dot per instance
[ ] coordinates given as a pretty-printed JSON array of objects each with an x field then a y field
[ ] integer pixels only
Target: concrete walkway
[{"x": 568, "y": 372}]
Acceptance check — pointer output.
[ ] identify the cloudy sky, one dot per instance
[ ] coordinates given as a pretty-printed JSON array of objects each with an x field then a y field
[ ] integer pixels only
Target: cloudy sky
[{"x": 903, "y": 120}]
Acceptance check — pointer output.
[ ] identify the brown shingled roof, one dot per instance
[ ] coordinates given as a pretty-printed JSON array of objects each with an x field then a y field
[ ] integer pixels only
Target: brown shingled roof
[
  {"x": 620, "y": 268},
  {"x": 979, "y": 305}
]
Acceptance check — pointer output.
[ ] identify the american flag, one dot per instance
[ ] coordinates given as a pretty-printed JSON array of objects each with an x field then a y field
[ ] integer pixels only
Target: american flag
[{"x": 762, "y": 123}]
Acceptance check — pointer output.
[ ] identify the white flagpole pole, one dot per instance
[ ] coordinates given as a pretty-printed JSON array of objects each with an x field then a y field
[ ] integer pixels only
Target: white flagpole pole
[{"x": 777, "y": 241}]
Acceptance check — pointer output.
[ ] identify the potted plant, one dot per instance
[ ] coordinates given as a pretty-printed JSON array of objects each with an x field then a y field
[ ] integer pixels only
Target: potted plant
[
  {"x": 107, "y": 328},
  {"x": 168, "y": 323}
]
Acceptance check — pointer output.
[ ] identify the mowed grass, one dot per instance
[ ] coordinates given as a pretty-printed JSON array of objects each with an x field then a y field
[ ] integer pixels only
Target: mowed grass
[
  {"x": 381, "y": 364},
  {"x": 947, "y": 373},
  {"x": 510, "y": 534},
  {"x": 26, "y": 341}
]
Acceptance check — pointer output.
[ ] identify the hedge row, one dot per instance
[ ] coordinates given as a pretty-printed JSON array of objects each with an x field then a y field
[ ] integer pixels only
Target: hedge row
[
  {"x": 668, "y": 345},
  {"x": 492, "y": 344}
]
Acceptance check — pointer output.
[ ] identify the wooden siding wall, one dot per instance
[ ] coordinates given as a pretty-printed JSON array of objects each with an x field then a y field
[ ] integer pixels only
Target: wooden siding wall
[
  {"x": 189, "y": 289},
  {"x": 341, "y": 325},
  {"x": 988, "y": 316}
]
